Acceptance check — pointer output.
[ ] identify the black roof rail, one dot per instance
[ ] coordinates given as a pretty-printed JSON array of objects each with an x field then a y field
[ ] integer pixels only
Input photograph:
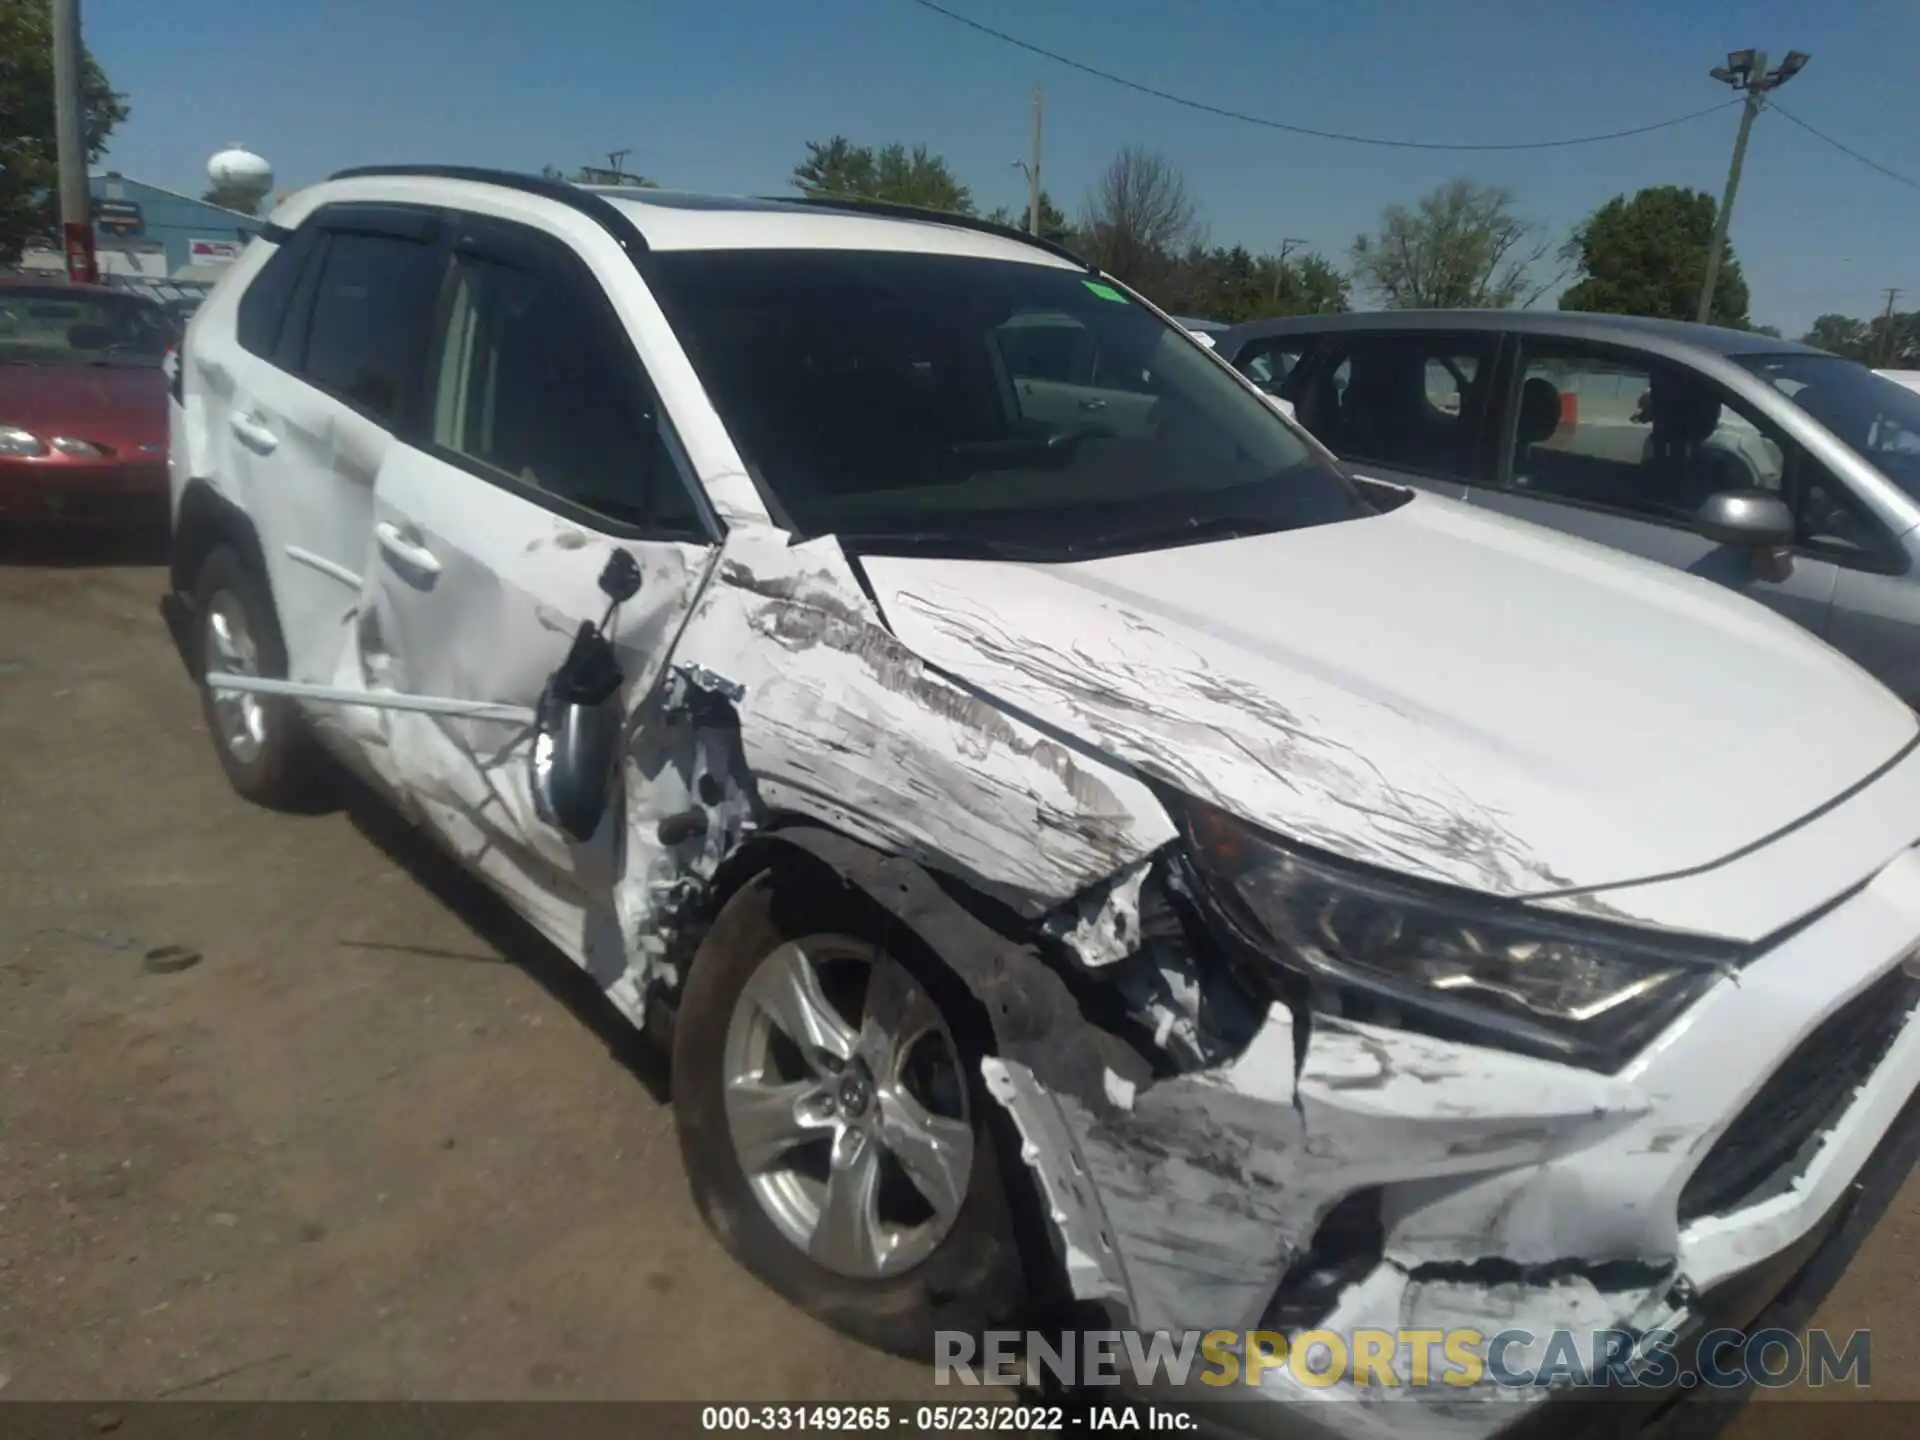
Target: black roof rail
[
  {"x": 595, "y": 207},
  {"x": 855, "y": 204}
]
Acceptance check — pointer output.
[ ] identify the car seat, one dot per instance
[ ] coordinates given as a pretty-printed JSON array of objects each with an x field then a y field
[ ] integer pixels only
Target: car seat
[{"x": 1539, "y": 417}]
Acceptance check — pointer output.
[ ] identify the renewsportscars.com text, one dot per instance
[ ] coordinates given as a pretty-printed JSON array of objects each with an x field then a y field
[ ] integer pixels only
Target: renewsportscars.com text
[{"x": 1411, "y": 1359}]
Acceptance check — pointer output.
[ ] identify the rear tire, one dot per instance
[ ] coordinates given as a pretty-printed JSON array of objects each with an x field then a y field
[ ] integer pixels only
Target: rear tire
[
  {"x": 965, "y": 1273},
  {"x": 263, "y": 742}
]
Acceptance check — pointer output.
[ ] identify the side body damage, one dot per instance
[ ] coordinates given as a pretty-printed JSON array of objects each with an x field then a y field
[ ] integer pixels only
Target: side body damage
[{"x": 1189, "y": 1136}]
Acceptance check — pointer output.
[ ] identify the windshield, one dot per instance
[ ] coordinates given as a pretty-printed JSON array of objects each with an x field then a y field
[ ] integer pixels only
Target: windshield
[
  {"x": 56, "y": 325},
  {"x": 941, "y": 399},
  {"x": 1870, "y": 413}
]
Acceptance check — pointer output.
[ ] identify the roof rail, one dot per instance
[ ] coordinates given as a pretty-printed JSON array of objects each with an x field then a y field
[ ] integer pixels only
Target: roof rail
[
  {"x": 595, "y": 207},
  {"x": 854, "y": 204}
]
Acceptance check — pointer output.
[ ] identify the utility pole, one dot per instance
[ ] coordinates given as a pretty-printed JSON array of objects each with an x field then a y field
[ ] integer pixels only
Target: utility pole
[
  {"x": 1745, "y": 70},
  {"x": 70, "y": 145},
  {"x": 1033, "y": 169},
  {"x": 1886, "y": 346}
]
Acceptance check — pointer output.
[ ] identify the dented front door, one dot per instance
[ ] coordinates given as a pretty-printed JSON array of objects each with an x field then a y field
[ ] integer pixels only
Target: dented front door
[{"x": 540, "y": 452}]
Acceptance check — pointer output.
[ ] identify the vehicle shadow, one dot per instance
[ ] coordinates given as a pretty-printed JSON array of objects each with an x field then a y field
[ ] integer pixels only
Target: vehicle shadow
[
  {"x": 510, "y": 939},
  {"x": 74, "y": 547}
]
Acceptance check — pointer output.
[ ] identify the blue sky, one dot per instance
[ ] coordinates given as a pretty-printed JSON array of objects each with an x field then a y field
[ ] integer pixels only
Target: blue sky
[{"x": 721, "y": 94}]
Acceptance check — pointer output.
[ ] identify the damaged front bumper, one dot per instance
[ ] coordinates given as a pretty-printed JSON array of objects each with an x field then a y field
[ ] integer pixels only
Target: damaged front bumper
[{"x": 1769, "y": 1125}]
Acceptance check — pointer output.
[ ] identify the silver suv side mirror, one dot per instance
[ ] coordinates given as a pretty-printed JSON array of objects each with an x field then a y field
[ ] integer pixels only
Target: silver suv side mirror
[{"x": 1755, "y": 519}]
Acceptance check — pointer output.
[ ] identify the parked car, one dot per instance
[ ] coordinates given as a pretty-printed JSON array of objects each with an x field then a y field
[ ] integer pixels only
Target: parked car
[
  {"x": 1310, "y": 901},
  {"x": 1778, "y": 470},
  {"x": 83, "y": 404},
  {"x": 1205, "y": 331},
  {"x": 1909, "y": 378}
]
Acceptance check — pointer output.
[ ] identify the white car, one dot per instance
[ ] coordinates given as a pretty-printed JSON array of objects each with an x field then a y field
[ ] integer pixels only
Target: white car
[{"x": 1337, "y": 906}]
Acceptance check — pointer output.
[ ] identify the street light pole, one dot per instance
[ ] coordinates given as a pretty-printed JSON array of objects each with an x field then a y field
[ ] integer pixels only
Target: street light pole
[
  {"x": 1745, "y": 70},
  {"x": 70, "y": 146},
  {"x": 1033, "y": 170}
]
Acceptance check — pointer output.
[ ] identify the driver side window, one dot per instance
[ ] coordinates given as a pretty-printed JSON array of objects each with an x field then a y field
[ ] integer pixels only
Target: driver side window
[
  {"x": 536, "y": 384},
  {"x": 1632, "y": 434}
]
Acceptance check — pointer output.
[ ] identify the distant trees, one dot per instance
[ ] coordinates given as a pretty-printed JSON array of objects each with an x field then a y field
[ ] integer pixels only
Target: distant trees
[
  {"x": 1647, "y": 255},
  {"x": 1889, "y": 343},
  {"x": 1140, "y": 223},
  {"x": 29, "y": 178},
  {"x": 1138, "y": 218},
  {"x": 1054, "y": 224},
  {"x": 837, "y": 166},
  {"x": 1462, "y": 246}
]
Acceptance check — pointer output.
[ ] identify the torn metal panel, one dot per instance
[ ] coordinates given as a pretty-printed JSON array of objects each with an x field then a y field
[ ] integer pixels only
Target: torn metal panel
[
  {"x": 1104, "y": 925},
  {"x": 841, "y": 722},
  {"x": 1210, "y": 1184}
]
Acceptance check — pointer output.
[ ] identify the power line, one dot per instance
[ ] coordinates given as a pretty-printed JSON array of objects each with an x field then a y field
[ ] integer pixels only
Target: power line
[
  {"x": 1269, "y": 124},
  {"x": 1844, "y": 148}
]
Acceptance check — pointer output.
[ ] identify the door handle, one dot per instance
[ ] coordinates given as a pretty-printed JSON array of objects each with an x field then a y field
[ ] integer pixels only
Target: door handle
[
  {"x": 1093, "y": 404},
  {"x": 404, "y": 545},
  {"x": 253, "y": 434}
]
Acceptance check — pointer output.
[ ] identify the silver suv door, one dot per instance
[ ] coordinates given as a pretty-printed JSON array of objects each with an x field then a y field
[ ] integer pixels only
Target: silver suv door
[
  {"x": 1407, "y": 407},
  {"x": 1622, "y": 447}
]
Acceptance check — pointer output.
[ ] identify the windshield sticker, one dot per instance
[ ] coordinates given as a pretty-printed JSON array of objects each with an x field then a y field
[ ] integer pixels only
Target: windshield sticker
[{"x": 1105, "y": 292}]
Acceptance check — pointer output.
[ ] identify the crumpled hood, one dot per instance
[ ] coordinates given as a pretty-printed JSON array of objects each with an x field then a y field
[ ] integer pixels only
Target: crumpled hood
[{"x": 1448, "y": 693}]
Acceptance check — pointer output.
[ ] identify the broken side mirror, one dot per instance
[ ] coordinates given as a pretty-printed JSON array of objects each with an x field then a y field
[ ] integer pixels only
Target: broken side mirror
[{"x": 576, "y": 724}]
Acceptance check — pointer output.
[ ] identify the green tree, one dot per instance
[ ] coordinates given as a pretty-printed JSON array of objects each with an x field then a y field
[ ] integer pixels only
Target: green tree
[
  {"x": 29, "y": 170},
  {"x": 1054, "y": 224},
  {"x": 892, "y": 172},
  {"x": 1461, "y": 247},
  {"x": 1646, "y": 254},
  {"x": 1307, "y": 284},
  {"x": 1842, "y": 334},
  {"x": 1889, "y": 341},
  {"x": 1138, "y": 221}
]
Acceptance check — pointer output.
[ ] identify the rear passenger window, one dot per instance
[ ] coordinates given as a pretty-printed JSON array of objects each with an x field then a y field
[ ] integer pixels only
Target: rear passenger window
[
  {"x": 1269, "y": 362},
  {"x": 264, "y": 306},
  {"x": 537, "y": 382},
  {"x": 371, "y": 311},
  {"x": 1409, "y": 402}
]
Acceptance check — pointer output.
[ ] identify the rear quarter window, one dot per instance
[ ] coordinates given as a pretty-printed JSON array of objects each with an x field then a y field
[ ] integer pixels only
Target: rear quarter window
[{"x": 263, "y": 308}]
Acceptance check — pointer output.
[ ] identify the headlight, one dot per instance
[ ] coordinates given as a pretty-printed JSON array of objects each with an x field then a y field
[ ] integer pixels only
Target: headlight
[
  {"x": 1446, "y": 961},
  {"x": 83, "y": 449},
  {"x": 15, "y": 441}
]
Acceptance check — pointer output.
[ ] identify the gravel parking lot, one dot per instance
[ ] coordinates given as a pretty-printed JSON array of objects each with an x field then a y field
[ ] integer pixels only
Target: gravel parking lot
[{"x": 378, "y": 1141}]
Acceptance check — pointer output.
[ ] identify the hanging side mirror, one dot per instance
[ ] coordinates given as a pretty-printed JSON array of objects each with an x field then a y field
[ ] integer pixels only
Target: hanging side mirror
[{"x": 576, "y": 726}]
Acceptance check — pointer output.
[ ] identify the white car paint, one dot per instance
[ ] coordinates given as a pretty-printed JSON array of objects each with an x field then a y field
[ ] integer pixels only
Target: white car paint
[{"x": 1444, "y": 695}]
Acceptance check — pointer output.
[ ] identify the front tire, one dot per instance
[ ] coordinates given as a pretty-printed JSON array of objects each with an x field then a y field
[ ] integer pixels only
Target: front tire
[
  {"x": 836, "y": 1134},
  {"x": 262, "y": 740}
]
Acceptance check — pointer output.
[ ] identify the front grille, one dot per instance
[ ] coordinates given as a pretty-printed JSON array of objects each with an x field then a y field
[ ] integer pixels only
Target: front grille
[{"x": 1771, "y": 1141}]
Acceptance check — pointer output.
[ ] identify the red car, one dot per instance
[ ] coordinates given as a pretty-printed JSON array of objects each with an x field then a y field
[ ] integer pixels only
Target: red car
[{"x": 83, "y": 403}]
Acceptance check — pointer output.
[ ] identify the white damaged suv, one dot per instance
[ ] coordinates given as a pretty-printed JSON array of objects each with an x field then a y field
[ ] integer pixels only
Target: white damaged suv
[{"x": 1030, "y": 782}]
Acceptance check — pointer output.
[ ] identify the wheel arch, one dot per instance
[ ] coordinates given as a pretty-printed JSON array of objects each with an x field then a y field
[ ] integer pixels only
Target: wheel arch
[
  {"x": 1032, "y": 1013},
  {"x": 206, "y": 520}
]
